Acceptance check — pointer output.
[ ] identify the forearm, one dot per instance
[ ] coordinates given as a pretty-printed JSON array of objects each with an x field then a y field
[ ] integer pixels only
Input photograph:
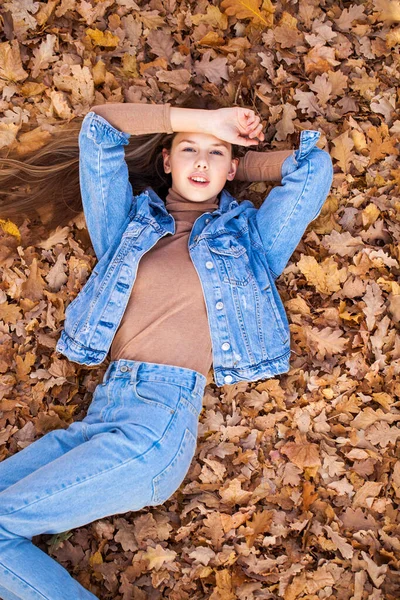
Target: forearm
[
  {"x": 136, "y": 118},
  {"x": 191, "y": 119},
  {"x": 262, "y": 166}
]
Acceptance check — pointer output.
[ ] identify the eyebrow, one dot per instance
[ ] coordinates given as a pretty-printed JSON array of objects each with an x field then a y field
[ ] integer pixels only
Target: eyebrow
[{"x": 192, "y": 142}]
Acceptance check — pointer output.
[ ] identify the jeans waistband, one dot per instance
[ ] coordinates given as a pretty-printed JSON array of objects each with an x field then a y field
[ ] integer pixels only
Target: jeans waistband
[{"x": 136, "y": 370}]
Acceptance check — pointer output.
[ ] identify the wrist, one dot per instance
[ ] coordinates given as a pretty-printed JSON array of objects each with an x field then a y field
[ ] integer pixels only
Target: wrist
[{"x": 191, "y": 119}]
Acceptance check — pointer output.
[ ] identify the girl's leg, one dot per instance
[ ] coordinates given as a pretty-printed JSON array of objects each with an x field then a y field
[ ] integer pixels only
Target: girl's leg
[
  {"x": 140, "y": 438},
  {"x": 47, "y": 448}
]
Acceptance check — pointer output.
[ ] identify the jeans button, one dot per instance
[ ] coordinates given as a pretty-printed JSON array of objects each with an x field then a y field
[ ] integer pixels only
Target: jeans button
[{"x": 124, "y": 369}]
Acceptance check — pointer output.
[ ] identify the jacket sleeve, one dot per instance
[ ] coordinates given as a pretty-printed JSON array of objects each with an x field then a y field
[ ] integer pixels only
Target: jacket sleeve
[
  {"x": 288, "y": 209},
  {"x": 104, "y": 182}
]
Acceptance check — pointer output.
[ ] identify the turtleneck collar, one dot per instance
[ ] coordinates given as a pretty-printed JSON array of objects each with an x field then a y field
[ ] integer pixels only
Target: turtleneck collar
[{"x": 174, "y": 201}]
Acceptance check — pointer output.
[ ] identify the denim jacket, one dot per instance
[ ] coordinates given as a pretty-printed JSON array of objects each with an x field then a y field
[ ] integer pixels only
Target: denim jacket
[{"x": 237, "y": 250}]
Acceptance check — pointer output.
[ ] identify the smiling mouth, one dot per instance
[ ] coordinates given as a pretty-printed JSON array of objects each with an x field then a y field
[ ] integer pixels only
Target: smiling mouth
[{"x": 198, "y": 183}]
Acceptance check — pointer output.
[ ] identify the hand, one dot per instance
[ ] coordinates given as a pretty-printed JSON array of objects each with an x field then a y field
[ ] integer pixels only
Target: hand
[{"x": 236, "y": 125}]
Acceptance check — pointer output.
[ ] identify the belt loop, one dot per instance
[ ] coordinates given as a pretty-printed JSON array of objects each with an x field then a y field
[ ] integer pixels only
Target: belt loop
[
  {"x": 106, "y": 375},
  {"x": 134, "y": 367},
  {"x": 199, "y": 386}
]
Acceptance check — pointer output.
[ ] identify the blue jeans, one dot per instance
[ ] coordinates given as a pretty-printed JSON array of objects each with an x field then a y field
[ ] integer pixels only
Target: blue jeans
[{"x": 133, "y": 449}]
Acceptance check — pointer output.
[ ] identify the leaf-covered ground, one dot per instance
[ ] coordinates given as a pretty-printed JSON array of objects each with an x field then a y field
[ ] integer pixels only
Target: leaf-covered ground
[{"x": 294, "y": 489}]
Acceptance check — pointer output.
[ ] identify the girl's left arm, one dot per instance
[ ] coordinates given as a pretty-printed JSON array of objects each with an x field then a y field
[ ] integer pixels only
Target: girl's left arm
[
  {"x": 262, "y": 166},
  {"x": 288, "y": 209}
]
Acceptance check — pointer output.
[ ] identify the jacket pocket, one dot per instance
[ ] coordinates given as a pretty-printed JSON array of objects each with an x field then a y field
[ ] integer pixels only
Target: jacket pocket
[
  {"x": 232, "y": 261},
  {"x": 171, "y": 477},
  {"x": 282, "y": 330}
]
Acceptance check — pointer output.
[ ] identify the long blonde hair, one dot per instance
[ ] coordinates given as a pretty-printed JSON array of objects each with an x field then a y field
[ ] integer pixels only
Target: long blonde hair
[{"x": 45, "y": 183}]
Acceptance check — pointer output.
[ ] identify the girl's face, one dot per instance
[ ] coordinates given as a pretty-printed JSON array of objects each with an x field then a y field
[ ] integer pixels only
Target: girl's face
[{"x": 201, "y": 155}]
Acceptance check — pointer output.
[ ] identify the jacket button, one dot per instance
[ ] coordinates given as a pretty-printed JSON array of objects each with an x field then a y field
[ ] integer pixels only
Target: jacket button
[
  {"x": 225, "y": 346},
  {"x": 207, "y": 221},
  {"x": 228, "y": 378},
  {"x": 219, "y": 305},
  {"x": 209, "y": 264}
]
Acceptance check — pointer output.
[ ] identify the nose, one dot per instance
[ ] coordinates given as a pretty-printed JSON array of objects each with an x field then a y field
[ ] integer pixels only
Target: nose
[{"x": 201, "y": 162}]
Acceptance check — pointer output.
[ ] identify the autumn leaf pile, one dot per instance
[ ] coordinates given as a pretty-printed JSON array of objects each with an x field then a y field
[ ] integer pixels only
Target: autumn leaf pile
[{"x": 294, "y": 489}]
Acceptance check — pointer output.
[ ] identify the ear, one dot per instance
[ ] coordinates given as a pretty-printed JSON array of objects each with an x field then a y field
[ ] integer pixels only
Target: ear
[
  {"x": 233, "y": 169},
  {"x": 166, "y": 161}
]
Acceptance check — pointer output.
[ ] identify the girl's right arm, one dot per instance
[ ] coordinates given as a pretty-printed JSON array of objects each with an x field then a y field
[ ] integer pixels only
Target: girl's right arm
[
  {"x": 104, "y": 178},
  {"x": 139, "y": 118}
]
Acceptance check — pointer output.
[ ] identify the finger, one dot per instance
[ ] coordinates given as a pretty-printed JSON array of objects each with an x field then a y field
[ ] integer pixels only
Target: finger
[{"x": 256, "y": 131}]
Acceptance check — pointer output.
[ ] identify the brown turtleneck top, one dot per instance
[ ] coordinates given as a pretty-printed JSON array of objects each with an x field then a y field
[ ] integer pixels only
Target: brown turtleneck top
[{"x": 166, "y": 319}]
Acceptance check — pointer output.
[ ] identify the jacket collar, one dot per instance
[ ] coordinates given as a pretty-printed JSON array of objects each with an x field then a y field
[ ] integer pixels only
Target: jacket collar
[{"x": 226, "y": 202}]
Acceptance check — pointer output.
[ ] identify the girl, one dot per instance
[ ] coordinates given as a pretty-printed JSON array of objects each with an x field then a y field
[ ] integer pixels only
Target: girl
[{"x": 204, "y": 293}]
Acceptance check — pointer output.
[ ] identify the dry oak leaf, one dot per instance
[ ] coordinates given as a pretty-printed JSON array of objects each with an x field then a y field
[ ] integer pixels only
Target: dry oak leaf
[
  {"x": 260, "y": 523},
  {"x": 32, "y": 288},
  {"x": 11, "y": 68},
  {"x": 325, "y": 276},
  {"x": 382, "y": 434},
  {"x": 320, "y": 59},
  {"x": 233, "y": 521},
  {"x": 288, "y": 37},
  {"x": 365, "y": 495},
  {"x": 202, "y": 555},
  {"x": 354, "y": 520},
  {"x": 368, "y": 416},
  {"x": 325, "y": 342},
  {"x": 158, "y": 556},
  {"x": 343, "y": 151},
  {"x": 396, "y": 479},
  {"x": 58, "y": 236},
  {"x": 24, "y": 365},
  {"x": 348, "y": 16},
  {"x": 302, "y": 454},
  {"x": 319, "y": 579},
  {"x": 56, "y": 277},
  {"x": 31, "y": 140},
  {"x": 79, "y": 83},
  {"x": 8, "y": 135},
  {"x": 323, "y": 88},
  {"x": 377, "y": 574},
  {"x": 233, "y": 494},
  {"x": 103, "y": 38},
  {"x": 214, "y": 70},
  {"x": 9, "y": 313},
  {"x": 388, "y": 10},
  {"x": 345, "y": 549},
  {"x": 249, "y": 9},
  {"x": 382, "y": 145},
  {"x": 343, "y": 244},
  {"x": 223, "y": 591},
  {"x": 213, "y": 17}
]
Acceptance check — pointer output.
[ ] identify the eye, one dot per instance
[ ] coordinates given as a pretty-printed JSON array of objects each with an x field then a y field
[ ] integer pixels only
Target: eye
[{"x": 217, "y": 151}]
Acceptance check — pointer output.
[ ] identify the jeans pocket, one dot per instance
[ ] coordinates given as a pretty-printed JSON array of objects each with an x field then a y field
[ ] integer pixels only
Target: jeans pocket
[{"x": 170, "y": 478}]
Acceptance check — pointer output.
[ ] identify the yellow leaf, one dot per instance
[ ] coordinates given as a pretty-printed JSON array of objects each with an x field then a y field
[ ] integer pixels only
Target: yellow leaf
[
  {"x": 370, "y": 214},
  {"x": 96, "y": 559},
  {"x": 10, "y": 228},
  {"x": 103, "y": 38},
  {"x": 248, "y": 9},
  {"x": 326, "y": 277}
]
